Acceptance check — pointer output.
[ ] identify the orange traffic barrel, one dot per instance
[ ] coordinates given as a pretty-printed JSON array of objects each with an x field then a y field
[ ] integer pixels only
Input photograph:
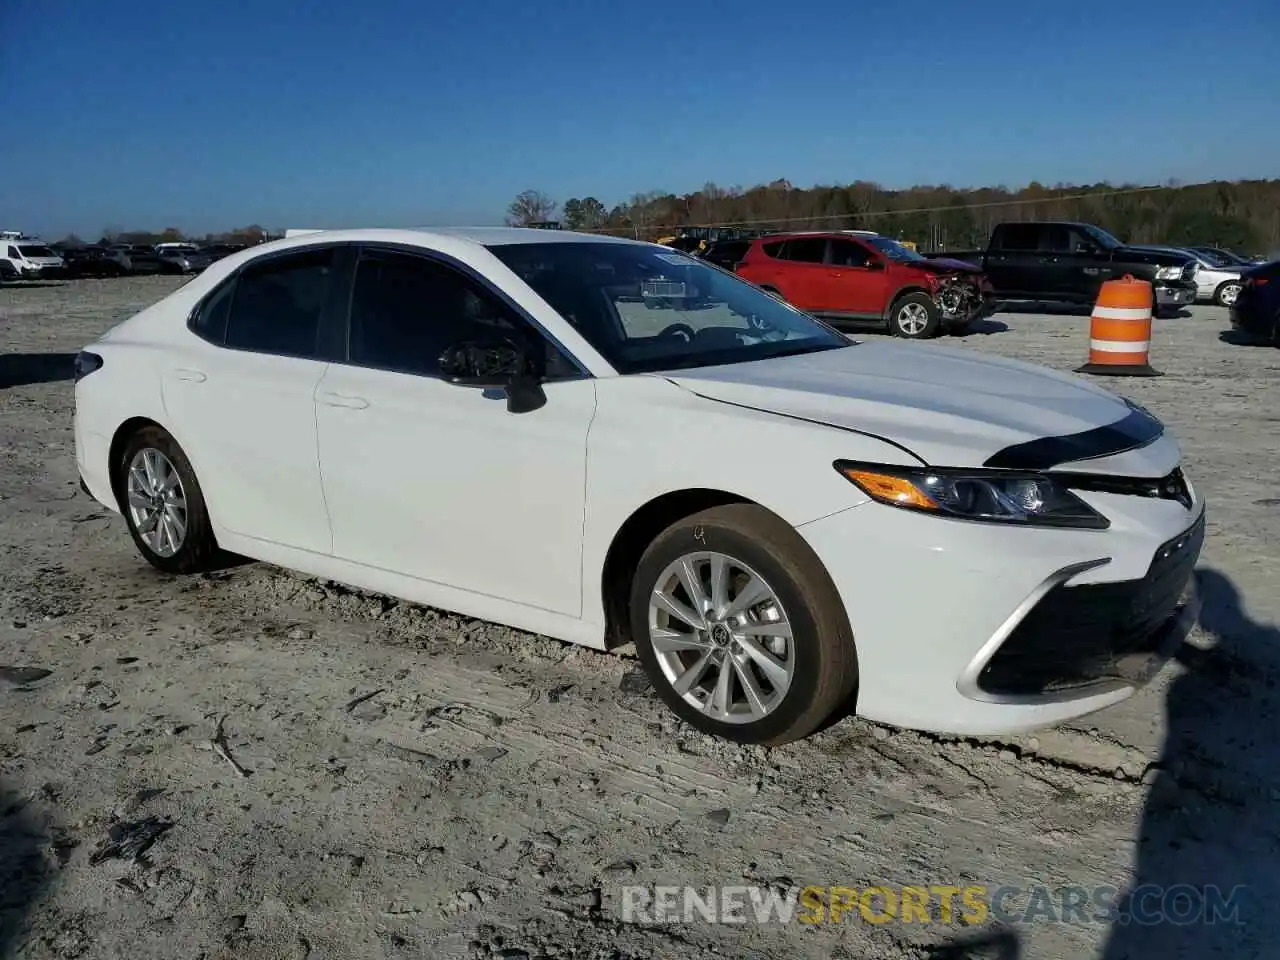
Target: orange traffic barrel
[{"x": 1120, "y": 330}]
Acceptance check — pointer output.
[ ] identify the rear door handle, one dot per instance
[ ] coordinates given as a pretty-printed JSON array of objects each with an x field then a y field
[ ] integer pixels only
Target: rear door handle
[
  {"x": 191, "y": 376},
  {"x": 330, "y": 399}
]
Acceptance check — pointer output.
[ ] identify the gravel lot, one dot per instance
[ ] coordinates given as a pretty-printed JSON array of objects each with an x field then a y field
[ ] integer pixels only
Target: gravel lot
[{"x": 423, "y": 785}]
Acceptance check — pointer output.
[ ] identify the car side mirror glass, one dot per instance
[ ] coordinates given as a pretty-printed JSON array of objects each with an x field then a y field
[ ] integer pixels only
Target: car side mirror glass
[{"x": 499, "y": 364}]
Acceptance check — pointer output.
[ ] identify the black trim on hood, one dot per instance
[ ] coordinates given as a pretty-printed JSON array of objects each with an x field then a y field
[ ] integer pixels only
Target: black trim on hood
[
  {"x": 1136, "y": 430},
  {"x": 820, "y": 423}
]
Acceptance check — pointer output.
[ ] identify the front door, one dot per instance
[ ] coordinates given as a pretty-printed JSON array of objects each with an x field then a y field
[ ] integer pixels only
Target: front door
[
  {"x": 855, "y": 281},
  {"x": 437, "y": 481}
]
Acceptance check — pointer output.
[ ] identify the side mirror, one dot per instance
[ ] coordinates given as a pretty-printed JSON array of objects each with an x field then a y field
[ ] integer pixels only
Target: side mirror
[{"x": 495, "y": 364}]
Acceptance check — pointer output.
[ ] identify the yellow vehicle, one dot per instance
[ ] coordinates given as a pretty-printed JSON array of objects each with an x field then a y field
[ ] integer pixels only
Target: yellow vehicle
[{"x": 697, "y": 239}]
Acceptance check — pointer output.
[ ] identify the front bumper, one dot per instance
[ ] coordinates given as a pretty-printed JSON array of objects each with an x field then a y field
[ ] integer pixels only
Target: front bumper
[
  {"x": 1249, "y": 318},
  {"x": 977, "y": 629},
  {"x": 45, "y": 273},
  {"x": 1170, "y": 293}
]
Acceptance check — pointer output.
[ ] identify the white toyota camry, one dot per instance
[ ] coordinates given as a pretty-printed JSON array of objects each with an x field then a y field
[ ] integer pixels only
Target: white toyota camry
[{"x": 606, "y": 441}]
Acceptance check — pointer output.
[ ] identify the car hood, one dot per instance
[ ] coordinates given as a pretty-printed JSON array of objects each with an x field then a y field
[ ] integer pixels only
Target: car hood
[
  {"x": 942, "y": 265},
  {"x": 950, "y": 407},
  {"x": 1156, "y": 255}
]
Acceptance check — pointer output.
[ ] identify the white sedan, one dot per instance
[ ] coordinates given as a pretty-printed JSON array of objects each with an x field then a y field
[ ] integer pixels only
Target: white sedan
[{"x": 606, "y": 441}]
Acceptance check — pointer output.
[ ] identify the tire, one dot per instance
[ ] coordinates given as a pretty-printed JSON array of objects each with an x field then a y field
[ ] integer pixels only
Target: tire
[
  {"x": 914, "y": 317},
  {"x": 815, "y": 670},
  {"x": 1227, "y": 292},
  {"x": 196, "y": 548}
]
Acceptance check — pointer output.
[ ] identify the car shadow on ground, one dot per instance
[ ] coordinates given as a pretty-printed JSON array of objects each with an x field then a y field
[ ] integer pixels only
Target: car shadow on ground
[
  {"x": 996, "y": 944},
  {"x": 1238, "y": 338},
  {"x": 983, "y": 326},
  {"x": 33, "y": 284},
  {"x": 1205, "y": 877},
  {"x": 1052, "y": 309},
  {"x": 24, "y": 870},
  {"x": 20, "y": 369}
]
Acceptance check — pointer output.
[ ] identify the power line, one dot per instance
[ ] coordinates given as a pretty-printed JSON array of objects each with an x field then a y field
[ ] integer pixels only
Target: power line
[{"x": 889, "y": 213}]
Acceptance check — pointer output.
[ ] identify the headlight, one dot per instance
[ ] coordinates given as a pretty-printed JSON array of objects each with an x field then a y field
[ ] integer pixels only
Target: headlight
[
  {"x": 994, "y": 496},
  {"x": 1168, "y": 273}
]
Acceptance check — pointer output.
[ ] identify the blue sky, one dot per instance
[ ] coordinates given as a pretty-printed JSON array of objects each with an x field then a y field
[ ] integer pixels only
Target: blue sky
[{"x": 215, "y": 114}]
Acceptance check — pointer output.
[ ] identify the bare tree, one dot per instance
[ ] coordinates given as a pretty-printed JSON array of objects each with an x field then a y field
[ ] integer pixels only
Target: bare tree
[{"x": 531, "y": 206}]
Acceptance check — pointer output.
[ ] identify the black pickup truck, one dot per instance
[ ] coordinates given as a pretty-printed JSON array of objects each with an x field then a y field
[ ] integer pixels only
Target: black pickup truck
[{"x": 1064, "y": 261}]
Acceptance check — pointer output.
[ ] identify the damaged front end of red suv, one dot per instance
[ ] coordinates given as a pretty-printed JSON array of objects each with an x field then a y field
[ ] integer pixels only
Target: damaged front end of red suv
[{"x": 961, "y": 291}]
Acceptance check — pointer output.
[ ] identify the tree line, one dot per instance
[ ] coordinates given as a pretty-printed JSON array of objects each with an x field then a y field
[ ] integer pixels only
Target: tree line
[{"x": 1243, "y": 215}]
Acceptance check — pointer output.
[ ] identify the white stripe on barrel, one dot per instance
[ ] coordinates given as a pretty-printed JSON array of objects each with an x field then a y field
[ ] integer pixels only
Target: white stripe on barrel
[
  {"x": 1122, "y": 313},
  {"x": 1119, "y": 346}
]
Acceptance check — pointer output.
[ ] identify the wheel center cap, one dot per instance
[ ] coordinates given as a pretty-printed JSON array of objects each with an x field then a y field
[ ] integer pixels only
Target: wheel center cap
[{"x": 720, "y": 635}]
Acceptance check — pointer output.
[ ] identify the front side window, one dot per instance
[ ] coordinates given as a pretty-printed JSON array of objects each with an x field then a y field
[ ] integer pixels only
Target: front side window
[
  {"x": 406, "y": 310},
  {"x": 645, "y": 309},
  {"x": 277, "y": 304},
  {"x": 846, "y": 253}
]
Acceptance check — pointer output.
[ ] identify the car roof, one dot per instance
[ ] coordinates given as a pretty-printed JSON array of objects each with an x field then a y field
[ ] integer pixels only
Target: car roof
[{"x": 482, "y": 236}]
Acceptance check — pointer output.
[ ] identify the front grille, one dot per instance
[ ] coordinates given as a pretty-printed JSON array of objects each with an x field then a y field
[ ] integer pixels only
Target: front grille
[
  {"x": 1076, "y": 636},
  {"x": 1172, "y": 486}
]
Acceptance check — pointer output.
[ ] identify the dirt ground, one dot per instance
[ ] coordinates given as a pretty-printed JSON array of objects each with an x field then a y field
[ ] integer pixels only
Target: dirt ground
[{"x": 422, "y": 785}]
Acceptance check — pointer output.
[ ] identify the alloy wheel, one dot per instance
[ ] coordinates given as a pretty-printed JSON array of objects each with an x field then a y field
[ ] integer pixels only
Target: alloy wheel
[
  {"x": 912, "y": 319},
  {"x": 1228, "y": 294},
  {"x": 157, "y": 502},
  {"x": 721, "y": 636}
]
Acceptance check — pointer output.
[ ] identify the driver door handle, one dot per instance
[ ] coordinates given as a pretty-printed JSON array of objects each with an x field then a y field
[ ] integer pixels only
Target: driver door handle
[{"x": 331, "y": 399}]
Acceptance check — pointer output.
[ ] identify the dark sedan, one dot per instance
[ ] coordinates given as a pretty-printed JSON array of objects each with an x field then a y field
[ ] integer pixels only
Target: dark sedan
[
  {"x": 91, "y": 262},
  {"x": 1256, "y": 311}
]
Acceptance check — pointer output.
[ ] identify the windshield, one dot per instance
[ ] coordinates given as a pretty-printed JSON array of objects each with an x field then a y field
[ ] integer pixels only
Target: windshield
[
  {"x": 647, "y": 309},
  {"x": 37, "y": 251},
  {"x": 1107, "y": 241},
  {"x": 893, "y": 249}
]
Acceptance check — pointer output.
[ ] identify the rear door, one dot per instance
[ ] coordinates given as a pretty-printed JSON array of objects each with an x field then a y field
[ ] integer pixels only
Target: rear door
[
  {"x": 1014, "y": 260},
  {"x": 240, "y": 396},
  {"x": 802, "y": 272},
  {"x": 856, "y": 280}
]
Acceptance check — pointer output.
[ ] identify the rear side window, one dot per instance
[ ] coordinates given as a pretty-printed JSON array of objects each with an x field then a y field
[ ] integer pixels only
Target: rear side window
[
  {"x": 277, "y": 304},
  {"x": 772, "y": 249},
  {"x": 1018, "y": 236},
  {"x": 210, "y": 323},
  {"x": 805, "y": 250}
]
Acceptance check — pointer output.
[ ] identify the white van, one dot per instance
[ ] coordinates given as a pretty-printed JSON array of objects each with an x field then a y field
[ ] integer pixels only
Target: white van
[{"x": 32, "y": 259}]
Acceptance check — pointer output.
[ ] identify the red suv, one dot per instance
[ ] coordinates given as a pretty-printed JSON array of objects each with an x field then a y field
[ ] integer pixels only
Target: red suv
[{"x": 863, "y": 276}]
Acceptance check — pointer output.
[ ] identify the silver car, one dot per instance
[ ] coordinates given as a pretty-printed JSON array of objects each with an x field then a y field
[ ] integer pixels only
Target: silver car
[{"x": 1217, "y": 279}]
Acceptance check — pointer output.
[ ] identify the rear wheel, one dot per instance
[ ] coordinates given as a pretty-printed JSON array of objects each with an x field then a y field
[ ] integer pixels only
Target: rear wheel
[
  {"x": 162, "y": 502},
  {"x": 739, "y": 627},
  {"x": 915, "y": 317},
  {"x": 1227, "y": 293}
]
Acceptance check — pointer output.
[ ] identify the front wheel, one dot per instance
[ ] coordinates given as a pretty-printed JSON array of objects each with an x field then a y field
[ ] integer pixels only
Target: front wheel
[
  {"x": 739, "y": 627},
  {"x": 915, "y": 317},
  {"x": 162, "y": 502},
  {"x": 1227, "y": 293}
]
